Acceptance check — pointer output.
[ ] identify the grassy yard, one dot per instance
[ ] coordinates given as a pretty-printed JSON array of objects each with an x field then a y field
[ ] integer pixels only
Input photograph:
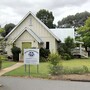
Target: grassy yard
[
  {"x": 44, "y": 68},
  {"x": 43, "y": 71},
  {"x": 6, "y": 64},
  {"x": 76, "y": 63}
]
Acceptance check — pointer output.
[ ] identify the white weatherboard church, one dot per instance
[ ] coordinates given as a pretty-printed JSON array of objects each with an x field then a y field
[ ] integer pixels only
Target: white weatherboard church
[{"x": 30, "y": 32}]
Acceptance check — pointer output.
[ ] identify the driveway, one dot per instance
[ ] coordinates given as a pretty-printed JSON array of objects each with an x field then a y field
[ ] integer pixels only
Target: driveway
[{"x": 17, "y": 83}]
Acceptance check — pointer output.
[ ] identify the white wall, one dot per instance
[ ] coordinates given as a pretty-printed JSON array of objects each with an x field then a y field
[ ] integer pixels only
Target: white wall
[{"x": 38, "y": 29}]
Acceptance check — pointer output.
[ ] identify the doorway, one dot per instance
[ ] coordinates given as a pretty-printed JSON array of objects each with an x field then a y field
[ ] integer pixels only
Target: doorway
[{"x": 26, "y": 45}]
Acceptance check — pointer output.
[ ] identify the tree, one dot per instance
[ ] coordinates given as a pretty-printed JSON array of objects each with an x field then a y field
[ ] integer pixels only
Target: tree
[
  {"x": 46, "y": 17},
  {"x": 76, "y": 20},
  {"x": 8, "y": 28},
  {"x": 1, "y": 30},
  {"x": 85, "y": 33},
  {"x": 65, "y": 49}
]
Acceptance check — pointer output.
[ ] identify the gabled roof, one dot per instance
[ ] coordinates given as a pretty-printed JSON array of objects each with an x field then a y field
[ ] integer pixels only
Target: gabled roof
[
  {"x": 30, "y": 13},
  {"x": 63, "y": 33},
  {"x": 31, "y": 33}
]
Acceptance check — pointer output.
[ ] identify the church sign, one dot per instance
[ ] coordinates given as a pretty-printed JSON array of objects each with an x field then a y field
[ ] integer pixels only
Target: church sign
[{"x": 31, "y": 56}]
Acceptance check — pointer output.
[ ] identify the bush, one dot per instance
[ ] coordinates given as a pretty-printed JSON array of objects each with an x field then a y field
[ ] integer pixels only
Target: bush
[
  {"x": 15, "y": 51},
  {"x": 55, "y": 64},
  {"x": 65, "y": 49},
  {"x": 66, "y": 56},
  {"x": 42, "y": 59},
  {"x": 44, "y": 53}
]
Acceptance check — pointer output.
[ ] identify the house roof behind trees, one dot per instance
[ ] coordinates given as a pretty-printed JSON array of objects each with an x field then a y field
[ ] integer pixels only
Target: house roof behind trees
[{"x": 63, "y": 33}]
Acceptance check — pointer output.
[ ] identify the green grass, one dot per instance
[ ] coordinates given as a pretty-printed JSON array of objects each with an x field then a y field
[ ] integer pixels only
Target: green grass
[
  {"x": 44, "y": 68},
  {"x": 43, "y": 71},
  {"x": 76, "y": 63},
  {"x": 6, "y": 64}
]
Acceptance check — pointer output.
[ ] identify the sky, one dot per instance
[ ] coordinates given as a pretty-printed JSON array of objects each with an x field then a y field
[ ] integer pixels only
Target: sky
[{"x": 12, "y": 11}]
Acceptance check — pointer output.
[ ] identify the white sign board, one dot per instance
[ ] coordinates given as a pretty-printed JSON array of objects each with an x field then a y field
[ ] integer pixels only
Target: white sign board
[{"x": 31, "y": 56}]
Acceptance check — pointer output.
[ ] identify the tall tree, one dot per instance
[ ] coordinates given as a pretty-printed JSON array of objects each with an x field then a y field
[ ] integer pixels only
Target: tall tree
[
  {"x": 46, "y": 17},
  {"x": 8, "y": 28},
  {"x": 76, "y": 20},
  {"x": 85, "y": 33},
  {"x": 65, "y": 49}
]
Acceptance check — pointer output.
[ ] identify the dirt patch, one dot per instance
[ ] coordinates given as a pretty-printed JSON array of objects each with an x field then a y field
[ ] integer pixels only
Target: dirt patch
[{"x": 72, "y": 77}]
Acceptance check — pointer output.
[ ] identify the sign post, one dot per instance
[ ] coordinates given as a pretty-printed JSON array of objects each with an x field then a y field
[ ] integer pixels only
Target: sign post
[{"x": 31, "y": 57}]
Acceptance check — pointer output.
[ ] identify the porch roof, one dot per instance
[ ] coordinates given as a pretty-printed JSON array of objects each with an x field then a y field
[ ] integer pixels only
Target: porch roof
[{"x": 31, "y": 33}]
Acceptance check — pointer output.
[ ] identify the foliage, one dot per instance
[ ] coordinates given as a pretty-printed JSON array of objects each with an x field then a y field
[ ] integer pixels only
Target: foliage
[
  {"x": 15, "y": 51},
  {"x": 85, "y": 33},
  {"x": 46, "y": 17},
  {"x": 76, "y": 70},
  {"x": 1, "y": 30},
  {"x": 2, "y": 57},
  {"x": 66, "y": 56},
  {"x": 44, "y": 70},
  {"x": 76, "y": 20},
  {"x": 44, "y": 53},
  {"x": 65, "y": 49},
  {"x": 42, "y": 59},
  {"x": 55, "y": 64},
  {"x": 8, "y": 28}
]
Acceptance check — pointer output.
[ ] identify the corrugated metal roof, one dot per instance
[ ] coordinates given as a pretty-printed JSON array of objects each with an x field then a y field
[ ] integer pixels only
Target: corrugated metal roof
[{"x": 63, "y": 33}]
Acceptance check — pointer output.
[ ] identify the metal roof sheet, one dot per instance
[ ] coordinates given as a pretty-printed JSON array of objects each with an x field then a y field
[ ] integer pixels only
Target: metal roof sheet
[{"x": 63, "y": 33}]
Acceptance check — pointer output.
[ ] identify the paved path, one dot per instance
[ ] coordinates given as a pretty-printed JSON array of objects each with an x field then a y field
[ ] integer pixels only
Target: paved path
[
  {"x": 3, "y": 71},
  {"x": 18, "y": 83}
]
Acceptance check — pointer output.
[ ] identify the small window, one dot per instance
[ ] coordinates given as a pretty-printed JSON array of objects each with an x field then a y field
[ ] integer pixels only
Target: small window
[{"x": 47, "y": 45}]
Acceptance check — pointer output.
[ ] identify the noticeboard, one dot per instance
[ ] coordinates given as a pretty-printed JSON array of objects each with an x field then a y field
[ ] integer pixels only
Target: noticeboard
[{"x": 31, "y": 56}]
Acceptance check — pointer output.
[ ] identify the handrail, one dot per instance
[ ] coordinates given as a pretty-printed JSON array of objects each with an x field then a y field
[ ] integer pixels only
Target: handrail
[{"x": 81, "y": 52}]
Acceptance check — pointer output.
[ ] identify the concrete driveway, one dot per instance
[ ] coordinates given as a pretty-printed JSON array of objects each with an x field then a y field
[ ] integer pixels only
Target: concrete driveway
[{"x": 16, "y": 83}]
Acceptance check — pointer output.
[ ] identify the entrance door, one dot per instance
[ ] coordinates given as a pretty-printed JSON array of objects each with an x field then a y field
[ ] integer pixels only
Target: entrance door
[{"x": 26, "y": 45}]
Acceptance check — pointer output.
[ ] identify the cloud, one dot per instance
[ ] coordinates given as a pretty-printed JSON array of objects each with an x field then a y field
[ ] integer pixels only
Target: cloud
[
  {"x": 24, "y": 5},
  {"x": 14, "y": 10},
  {"x": 68, "y": 3}
]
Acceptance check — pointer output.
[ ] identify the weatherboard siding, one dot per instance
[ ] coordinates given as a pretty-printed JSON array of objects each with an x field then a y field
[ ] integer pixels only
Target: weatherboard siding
[{"x": 38, "y": 29}]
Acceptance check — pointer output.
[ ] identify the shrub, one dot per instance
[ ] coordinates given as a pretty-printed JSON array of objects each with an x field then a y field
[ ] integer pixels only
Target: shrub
[
  {"x": 55, "y": 64},
  {"x": 15, "y": 51},
  {"x": 66, "y": 56},
  {"x": 85, "y": 68},
  {"x": 44, "y": 53},
  {"x": 42, "y": 59},
  {"x": 65, "y": 49}
]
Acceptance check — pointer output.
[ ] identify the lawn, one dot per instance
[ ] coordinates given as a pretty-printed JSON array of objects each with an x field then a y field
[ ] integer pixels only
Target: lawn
[
  {"x": 43, "y": 71},
  {"x": 76, "y": 63},
  {"x": 44, "y": 68},
  {"x": 6, "y": 64}
]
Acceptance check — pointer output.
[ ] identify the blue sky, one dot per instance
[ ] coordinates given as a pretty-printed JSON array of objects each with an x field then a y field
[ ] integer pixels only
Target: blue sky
[{"x": 12, "y": 11}]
